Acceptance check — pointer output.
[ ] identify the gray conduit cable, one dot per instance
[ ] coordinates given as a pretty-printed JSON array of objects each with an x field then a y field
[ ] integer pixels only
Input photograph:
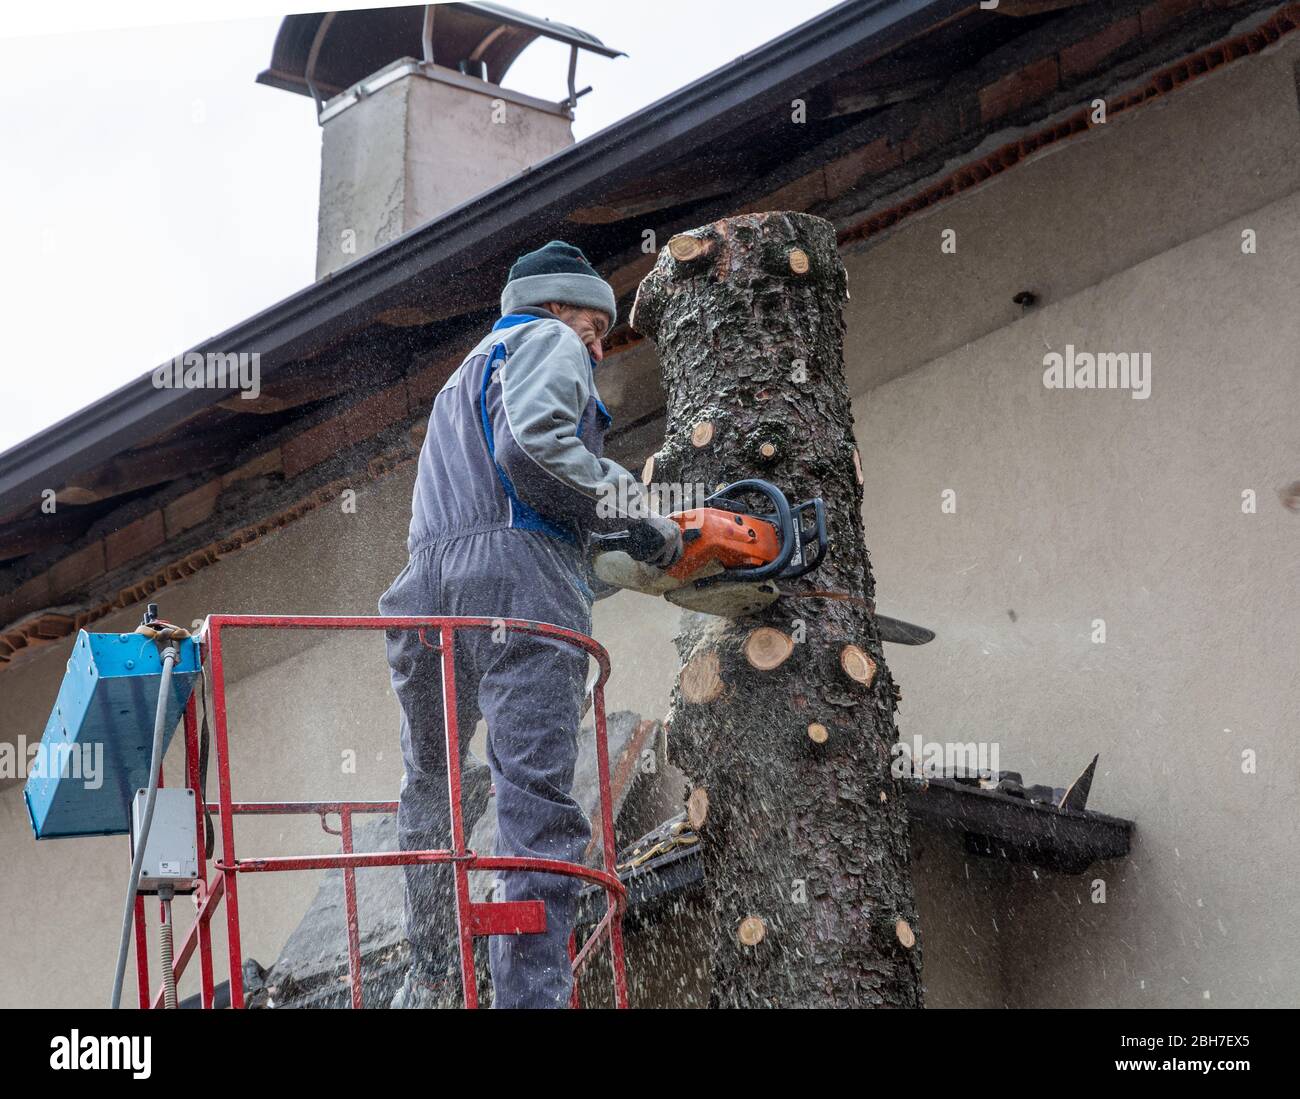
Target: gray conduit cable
[
  {"x": 165, "y": 950},
  {"x": 155, "y": 767}
]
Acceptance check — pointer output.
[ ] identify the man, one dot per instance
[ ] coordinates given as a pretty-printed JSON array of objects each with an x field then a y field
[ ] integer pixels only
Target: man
[{"x": 511, "y": 481}]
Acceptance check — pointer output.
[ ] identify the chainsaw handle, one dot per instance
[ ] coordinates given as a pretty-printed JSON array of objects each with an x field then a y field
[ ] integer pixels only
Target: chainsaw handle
[
  {"x": 639, "y": 541},
  {"x": 783, "y": 521},
  {"x": 817, "y": 535}
]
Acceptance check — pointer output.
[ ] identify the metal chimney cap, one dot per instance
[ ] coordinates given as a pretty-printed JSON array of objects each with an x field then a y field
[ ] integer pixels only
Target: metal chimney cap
[{"x": 324, "y": 53}]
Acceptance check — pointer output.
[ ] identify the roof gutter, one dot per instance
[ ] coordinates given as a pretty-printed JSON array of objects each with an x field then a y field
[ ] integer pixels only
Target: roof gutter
[{"x": 309, "y": 320}]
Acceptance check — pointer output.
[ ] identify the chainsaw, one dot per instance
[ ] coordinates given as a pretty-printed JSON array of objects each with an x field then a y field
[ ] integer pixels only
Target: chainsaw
[{"x": 732, "y": 556}]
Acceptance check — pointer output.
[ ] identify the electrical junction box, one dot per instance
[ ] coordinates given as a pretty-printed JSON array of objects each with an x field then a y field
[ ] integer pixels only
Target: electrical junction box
[
  {"x": 95, "y": 751},
  {"x": 171, "y": 855}
]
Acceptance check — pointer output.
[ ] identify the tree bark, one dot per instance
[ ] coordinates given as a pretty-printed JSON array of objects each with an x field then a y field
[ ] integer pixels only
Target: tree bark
[{"x": 805, "y": 838}]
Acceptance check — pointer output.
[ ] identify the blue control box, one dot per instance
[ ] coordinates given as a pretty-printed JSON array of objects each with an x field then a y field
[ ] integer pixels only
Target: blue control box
[{"x": 95, "y": 751}]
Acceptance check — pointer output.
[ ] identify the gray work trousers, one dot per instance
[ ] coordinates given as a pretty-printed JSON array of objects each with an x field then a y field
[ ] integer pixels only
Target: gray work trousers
[{"x": 530, "y": 691}]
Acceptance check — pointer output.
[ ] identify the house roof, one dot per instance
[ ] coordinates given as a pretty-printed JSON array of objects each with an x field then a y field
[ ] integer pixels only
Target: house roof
[
  {"x": 154, "y": 482},
  {"x": 426, "y": 265}
]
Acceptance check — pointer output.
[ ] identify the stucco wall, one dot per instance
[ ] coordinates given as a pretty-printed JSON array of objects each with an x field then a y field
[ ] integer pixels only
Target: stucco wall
[
  {"x": 1071, "y": 506},
  {"x": 1074, "y": 506}
]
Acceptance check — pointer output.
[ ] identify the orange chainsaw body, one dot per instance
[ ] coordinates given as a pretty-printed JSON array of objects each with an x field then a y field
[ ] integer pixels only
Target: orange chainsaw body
[{"x": 717, "y": 537}]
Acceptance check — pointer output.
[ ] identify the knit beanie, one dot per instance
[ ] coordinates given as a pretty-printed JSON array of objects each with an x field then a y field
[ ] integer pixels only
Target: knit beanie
[{"x": 557, "y": 272}]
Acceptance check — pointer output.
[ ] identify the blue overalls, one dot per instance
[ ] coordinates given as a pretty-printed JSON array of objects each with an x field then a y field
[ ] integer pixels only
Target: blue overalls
[{"x": 509, "y": 477}]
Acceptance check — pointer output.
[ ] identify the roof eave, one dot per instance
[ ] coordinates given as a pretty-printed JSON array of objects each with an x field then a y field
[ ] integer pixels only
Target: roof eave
[{"x": 312, "y": 317}]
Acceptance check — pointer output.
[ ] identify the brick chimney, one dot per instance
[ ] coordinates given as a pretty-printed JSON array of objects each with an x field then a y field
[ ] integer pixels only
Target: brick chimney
[{"x": 404, "y": 140}]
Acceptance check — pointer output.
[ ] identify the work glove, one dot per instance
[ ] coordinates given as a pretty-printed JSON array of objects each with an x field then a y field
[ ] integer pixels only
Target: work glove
[{"x": 662, "y": 541}]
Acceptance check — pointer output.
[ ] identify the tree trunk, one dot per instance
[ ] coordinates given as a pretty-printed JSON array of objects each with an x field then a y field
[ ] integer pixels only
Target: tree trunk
[{"x": 805, "y": 831}]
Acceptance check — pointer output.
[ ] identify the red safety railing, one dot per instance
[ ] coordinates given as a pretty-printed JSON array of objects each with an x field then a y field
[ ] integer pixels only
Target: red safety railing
[{"x": 472, "y": 919}]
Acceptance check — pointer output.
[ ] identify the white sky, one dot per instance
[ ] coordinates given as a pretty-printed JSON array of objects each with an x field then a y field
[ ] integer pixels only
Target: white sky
[{"x": 153, "y": 194}]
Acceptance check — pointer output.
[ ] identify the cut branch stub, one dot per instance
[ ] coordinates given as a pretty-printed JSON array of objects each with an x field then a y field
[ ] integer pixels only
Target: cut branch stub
[
  {"x": 767, "y": 648},
  {"x": 685, "y": 248},
  {"x": 767, "y": 450},
  {"x": 798, "y": 261},
  {"x": 818, "y": 733},
  {"x": 701, "y": 678},
  {"x": 857, "y": 465},
  {"x": 697, "y": 808},
  {"x": 751, "y": 931},
  {"x": 702, "y": 433},
  {"x": 905, "y": 934},
  {"x": 857, "y": 665}
]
